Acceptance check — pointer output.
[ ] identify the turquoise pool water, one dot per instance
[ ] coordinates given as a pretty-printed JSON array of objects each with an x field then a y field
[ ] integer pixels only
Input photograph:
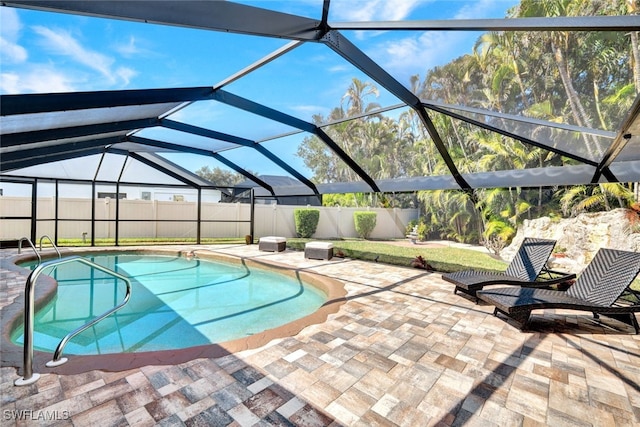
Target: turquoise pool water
[{"x": 175, "y": 303}]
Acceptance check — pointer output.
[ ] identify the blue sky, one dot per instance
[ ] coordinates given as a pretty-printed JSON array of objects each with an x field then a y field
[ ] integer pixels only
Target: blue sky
[{"x": 48, "y": 52}]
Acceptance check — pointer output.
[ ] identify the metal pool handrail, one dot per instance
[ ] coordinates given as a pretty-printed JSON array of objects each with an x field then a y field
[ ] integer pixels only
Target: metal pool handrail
[
  {"x": 52, "y": 244},
  {"x": 22, "y": 239},
  {"x": 29, "y": 376}
]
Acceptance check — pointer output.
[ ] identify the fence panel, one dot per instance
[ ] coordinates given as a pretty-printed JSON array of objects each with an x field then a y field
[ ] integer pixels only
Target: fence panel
[
  {"x": 144, "y": 218},
  {"x": 13, "y": 229},
  {"x": 137, "y": 209},
  {"x": 335, "y": 222},
  {"x": 225, "y": 217}
]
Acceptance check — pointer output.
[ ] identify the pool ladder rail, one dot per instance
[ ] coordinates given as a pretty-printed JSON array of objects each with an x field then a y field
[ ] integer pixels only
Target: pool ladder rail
[
  {"x": 31, "y": 377},
  {"x": 26, "y": 239}
]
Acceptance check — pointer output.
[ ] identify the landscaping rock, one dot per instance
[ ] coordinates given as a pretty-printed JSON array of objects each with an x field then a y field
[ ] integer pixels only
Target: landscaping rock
[{"x": 579, "y": 238}]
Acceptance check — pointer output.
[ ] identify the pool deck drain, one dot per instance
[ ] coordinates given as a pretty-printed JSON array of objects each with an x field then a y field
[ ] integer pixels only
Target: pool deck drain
[{"x": 403, "y": 350}]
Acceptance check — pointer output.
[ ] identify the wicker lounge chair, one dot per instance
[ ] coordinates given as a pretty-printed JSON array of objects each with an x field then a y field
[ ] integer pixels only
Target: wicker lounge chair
[
  {"x": 526, "y": 269},
  {"x": 598, "y": 290}
]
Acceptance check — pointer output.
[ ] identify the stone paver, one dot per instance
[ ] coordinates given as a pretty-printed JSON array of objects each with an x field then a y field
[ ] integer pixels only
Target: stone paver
[{"x": 402, "y": 351}]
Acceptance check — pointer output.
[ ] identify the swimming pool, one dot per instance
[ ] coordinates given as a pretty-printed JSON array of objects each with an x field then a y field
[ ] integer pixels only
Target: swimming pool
[{"x": 176, "y": 302}]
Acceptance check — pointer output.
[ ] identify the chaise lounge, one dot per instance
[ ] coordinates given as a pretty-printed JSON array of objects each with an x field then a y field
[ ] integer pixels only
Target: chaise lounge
[
  {"x": 527, "y": 269},
  {"x": 598, "y": 290}
]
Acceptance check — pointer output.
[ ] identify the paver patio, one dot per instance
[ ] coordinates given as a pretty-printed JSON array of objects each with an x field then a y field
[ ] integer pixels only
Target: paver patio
[{"x": 403, "y": 350}]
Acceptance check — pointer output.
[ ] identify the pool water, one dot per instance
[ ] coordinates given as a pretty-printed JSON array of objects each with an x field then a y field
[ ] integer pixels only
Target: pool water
[{"x": 175, "y": 303}]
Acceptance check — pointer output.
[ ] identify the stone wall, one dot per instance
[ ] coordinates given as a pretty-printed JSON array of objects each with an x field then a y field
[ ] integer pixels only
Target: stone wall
[{"x": 578, "y": 239}]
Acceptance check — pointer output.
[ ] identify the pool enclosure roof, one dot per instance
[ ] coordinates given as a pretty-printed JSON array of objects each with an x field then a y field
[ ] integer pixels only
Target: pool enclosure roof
[{"x": 153, "y": 127}]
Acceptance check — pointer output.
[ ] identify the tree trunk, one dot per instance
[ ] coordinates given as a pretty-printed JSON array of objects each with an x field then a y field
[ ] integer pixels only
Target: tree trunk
[
  {"x": 596, "y": 94},
  {"x": 540, "y": 201},
  {"x": 579, "y": 114},
  {"x": 520, "y": 83},
  {"x": 577, "y": 109},
  {"x": 635, "y": 48},
  {"x": 605, "y": 200}
]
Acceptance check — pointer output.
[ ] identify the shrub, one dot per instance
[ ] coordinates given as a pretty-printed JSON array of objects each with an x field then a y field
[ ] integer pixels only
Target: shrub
[
  {"x": 365, "y": 222},
  {"x": 422, "y": 230},
  {"x": 412, "y": 223},
  {"x": 306, "y": 221}
]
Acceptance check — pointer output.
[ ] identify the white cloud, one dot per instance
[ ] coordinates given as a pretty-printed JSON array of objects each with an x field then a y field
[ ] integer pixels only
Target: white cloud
[
  {"x": 11, "y": 52},
  {"x": 368, "y": 10},
  {"x": 484, "y": 9},
  {"x": 359, "y": 11},
  {"x": 339, "y": 68},
  {"x": 396, "y": 10},
  {"x": 71, "y": 64},
  {"x": 10, "y": 22},
  {"x": 133, "y": 48},
  {"x": 308, "y": 111},
  {"x": 415, "y": 55},
  {"x": 40, "y": 79},
  {"x": 126, "y": 74},
  {"x": 9, "y": 83},
  {"x": 63, "y": 43},
  {"x": 128, "y": 49},
  {"x": 10, "y": 28},
  {"x": 418, "y": 52}
]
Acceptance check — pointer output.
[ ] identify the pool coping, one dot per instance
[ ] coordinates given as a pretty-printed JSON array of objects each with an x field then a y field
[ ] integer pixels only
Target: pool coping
[{"x": 12, "y": 354}]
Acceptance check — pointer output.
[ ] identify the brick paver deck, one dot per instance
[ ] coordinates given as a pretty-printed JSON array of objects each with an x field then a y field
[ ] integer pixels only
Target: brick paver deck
[{"x": 404, "y": 350}]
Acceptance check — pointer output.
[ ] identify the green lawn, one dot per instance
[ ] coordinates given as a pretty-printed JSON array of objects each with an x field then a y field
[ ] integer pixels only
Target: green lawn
[
  {"x": 441, "y": 259},
  {"x": 148, "y": 241}
]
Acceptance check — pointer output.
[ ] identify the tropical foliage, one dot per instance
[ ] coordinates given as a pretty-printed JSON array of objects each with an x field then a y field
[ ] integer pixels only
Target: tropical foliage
[{"x": 584, "y": 79}]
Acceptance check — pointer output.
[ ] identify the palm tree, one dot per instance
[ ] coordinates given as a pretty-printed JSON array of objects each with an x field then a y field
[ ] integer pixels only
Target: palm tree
[
  {"x": 502, "y": 48},
  {"x": 355, "y": 97},
  {"x": 587, "y": 198},
  {"x": 584, "y": 55},
  {"x": 595, "y": 71},
  {"x": 451, "y": 214}
]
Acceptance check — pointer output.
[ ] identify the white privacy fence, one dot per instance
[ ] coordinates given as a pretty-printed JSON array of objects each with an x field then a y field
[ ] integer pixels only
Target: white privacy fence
[
  {"x": 278, "y": 220},
  {"x": 175, "y": 219}
]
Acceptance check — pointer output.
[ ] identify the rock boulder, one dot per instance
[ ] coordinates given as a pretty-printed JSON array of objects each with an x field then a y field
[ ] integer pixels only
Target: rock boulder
[{"x": 579, "y": 238}]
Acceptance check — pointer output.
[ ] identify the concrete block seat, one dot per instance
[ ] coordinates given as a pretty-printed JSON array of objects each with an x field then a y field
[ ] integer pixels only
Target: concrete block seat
[
  {"x": 272, "y": 244},
  {"x": 318, "y": 250}
]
